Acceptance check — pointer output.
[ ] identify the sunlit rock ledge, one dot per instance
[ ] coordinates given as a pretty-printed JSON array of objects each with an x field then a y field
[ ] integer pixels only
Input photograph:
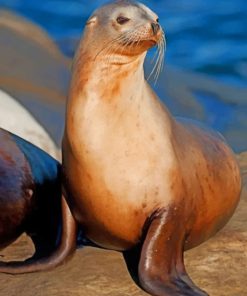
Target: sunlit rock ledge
[{"x": 37, "y": 76}]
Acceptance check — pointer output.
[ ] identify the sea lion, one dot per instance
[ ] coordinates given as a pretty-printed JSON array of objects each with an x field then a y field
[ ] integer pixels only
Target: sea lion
[
  {"x": 134, "y": 174},
  {"x": 30, "y": 201}
]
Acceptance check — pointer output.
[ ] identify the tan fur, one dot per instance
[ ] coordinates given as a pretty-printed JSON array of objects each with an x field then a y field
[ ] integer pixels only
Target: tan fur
[{"x": 125, "y": 156}]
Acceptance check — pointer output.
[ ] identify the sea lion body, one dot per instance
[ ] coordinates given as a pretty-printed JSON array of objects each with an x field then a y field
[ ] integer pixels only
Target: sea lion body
[
  {"x": 30, "y": 201},
  {"x": 125, "y": 156},
  {"x": 131, "y": 181},
  {"x": 135, "y": 175},
  {"x": 114, "y": 195},
  {"x": 30, "y": 190}
]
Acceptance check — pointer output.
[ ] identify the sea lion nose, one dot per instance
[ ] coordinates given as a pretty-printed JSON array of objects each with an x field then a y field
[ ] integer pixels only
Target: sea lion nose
[{"x": 155, "y": 28}]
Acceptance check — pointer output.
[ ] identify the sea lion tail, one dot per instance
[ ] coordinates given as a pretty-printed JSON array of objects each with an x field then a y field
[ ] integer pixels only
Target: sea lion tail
[{"x": 63, "y": 252}]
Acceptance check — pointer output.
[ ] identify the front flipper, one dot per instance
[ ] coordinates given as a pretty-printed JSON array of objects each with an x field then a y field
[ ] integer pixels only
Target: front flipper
[
  {"x": 64, "y": 250},
  {"x": 161, "y": 268}
]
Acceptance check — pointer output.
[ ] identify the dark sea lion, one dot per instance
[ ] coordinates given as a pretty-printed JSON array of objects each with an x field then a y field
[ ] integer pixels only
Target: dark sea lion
[
  {"x": 136, "y": 179},
  {"x": 30, "y": 201},
  {"x": 134, "y": 174}
]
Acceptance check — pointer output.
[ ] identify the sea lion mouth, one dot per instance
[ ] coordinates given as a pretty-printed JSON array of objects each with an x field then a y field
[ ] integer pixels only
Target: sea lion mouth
[
  {"x": 141, "y": 37},
  {"x": 134, "y": 42},
  {"x": 150, "y": 42}
]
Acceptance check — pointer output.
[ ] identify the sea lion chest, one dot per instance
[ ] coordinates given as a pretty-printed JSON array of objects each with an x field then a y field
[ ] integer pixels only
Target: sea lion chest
[{"x": 122, "y": 160}]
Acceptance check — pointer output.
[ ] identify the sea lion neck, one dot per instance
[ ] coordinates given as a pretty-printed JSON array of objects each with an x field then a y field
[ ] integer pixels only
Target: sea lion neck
[{"x": 112, "y": 77}]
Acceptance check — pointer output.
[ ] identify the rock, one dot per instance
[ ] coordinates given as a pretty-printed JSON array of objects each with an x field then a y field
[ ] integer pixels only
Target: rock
[
  {"x": 16, "y": 119},
  {"x": 242, "y": 159},
  {"x": 34, "y": 72}
]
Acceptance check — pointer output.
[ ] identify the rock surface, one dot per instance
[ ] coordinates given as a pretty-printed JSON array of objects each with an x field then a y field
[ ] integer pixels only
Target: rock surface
[{"x": 36, "y": 74}]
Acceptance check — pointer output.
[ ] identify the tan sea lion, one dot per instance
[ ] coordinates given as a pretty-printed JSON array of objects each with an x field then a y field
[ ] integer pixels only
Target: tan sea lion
[
  {"x": 133, "y": 173},
  {"x": 138, "y": 180}
]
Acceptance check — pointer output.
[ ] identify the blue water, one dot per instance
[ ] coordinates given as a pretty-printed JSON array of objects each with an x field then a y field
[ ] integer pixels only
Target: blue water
[{"x": 207, "y": 36}]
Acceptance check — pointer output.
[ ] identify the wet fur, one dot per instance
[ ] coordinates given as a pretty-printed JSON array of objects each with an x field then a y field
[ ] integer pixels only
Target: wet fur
[
  {"x": 30, "y": 193},
  {"x": 31, "y": 201}
]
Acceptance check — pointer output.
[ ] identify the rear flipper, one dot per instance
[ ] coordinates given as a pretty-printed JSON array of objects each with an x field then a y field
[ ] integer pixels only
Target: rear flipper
[
  {"x": 64, "y": 250},
  {"x": 161, "y": 268}
]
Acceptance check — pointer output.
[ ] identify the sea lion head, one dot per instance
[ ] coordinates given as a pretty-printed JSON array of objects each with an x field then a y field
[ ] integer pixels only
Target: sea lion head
[{"x": 123, "y": 27}]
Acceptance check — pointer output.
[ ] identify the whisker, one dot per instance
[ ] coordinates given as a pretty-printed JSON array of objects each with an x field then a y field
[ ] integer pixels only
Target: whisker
[
  {"x": 155, "y": 65},
  {"x": 126, "y": 39},
  {"x": 157, "y": 69},
  {"x": 109, "y": 44},
  {"x": 155, "y": 55},
  {"x": 112, "y": 52},
  {"x": 132, "y": 39},
  {"x": 160, "y": 62},
  {"x": 118, "y": 39},
  {"x": 164, "y": 50}
]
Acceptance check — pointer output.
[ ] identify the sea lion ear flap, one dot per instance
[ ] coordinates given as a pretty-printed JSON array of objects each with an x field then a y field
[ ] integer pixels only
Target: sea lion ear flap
[{"x": 93, "y": 20}]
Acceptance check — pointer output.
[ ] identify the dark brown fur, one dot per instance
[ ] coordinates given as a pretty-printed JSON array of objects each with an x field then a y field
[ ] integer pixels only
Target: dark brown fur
[{"x": 30, "y": 201}]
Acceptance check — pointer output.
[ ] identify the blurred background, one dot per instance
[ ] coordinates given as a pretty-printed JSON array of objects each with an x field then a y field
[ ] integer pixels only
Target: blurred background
[
  {"x": 203, "y": 36},
  {"x": 208, "y": 38}
]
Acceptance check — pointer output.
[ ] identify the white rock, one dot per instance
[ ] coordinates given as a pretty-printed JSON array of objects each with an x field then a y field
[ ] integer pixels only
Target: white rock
[{"x": 16, "y": 119}]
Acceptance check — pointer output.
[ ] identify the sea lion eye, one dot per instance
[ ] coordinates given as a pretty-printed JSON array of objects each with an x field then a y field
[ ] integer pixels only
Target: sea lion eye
[
  {"x": 122, "y": 20},
  {"x": 157, "y": 21}
]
